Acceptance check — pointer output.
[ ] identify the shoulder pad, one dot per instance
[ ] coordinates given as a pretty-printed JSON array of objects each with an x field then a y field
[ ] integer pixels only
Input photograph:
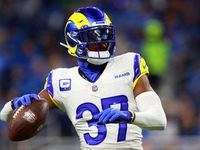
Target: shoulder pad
[{"x": 140, "y": 68}]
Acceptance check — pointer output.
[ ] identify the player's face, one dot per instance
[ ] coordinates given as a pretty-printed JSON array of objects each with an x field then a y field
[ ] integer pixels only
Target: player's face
[
  {"x": 98, "y": 36},
  {"x": 101, "y": 47}
]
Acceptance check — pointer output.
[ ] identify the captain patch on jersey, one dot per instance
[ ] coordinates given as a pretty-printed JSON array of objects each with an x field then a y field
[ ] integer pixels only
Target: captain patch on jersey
[{"x": 65, "y": 84}]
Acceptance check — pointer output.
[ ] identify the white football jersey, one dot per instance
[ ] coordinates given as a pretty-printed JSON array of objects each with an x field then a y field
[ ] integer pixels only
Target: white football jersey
[{"x": 81, "y": 100}]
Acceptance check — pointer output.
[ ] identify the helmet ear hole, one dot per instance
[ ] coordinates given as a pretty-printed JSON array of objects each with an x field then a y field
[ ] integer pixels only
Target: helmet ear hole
[{"x": 70, "y": 43}]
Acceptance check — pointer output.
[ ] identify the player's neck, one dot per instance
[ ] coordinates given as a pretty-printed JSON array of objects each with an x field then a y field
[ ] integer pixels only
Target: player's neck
[
  {"x": 83, "y": 63},
  {"x": 90, "y": 72}
]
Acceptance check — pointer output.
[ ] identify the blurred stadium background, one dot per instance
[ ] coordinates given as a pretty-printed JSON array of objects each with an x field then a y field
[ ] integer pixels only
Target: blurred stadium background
[{"x": 165, "y": 32}]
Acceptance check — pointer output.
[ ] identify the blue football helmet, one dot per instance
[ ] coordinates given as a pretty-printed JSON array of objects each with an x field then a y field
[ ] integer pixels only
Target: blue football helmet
[{"x": 90, "y": 35}]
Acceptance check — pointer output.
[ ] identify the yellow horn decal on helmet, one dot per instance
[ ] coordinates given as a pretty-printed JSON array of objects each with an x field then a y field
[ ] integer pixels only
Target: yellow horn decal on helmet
[
  {"x": 79, "y": 20},
  {"x": 71, "y": 50},
  {"x": 108, "y": 19}
]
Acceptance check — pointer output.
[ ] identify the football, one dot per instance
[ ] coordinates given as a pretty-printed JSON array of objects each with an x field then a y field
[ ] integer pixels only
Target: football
[{"x": 27, "y": 121}]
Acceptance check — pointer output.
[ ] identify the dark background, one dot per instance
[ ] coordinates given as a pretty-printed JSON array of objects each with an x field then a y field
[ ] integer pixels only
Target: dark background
[{"x": 165, "y": 32}]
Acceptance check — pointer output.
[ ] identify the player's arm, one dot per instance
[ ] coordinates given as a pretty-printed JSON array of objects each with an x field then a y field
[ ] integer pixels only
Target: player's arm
[
  {"x": 44, "y": 94},
  {"x": 10, "y": 106},
  {"x": 151, "y": 115}
]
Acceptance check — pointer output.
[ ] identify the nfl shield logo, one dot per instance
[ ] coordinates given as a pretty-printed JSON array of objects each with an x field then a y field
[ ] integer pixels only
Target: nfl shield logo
[
  {"x": 30, "y": 116},
  {"x": 94, "y": 88}
]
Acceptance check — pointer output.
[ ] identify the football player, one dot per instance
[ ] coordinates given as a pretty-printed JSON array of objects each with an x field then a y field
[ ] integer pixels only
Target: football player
[{"x": 108, "y": 99}]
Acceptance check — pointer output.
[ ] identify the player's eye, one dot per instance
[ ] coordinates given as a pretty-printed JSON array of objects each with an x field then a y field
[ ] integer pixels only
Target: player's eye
[{"x": 100, "y": 35}]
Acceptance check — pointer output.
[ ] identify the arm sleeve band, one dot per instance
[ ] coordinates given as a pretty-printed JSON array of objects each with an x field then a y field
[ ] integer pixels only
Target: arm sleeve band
[
  {"x": 151, "y": 115},
  {"x": 6, "y": 112}
]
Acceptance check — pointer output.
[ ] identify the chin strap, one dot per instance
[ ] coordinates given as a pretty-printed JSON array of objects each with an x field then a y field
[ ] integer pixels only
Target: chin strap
[
  {"x": 97, "y": 61},
  {"x": 98, "y": 58}
]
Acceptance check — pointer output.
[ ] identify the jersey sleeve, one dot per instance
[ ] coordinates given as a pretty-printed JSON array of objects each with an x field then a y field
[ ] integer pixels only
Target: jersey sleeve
[
  {"x": 140, "y": 68},
  {"x": 49, "y": 88}
]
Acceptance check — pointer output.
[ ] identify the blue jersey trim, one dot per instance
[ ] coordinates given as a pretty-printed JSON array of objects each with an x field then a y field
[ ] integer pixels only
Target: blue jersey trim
[
  {"x": 136, "y": 68},
  {"x": 49, "y": 86}
]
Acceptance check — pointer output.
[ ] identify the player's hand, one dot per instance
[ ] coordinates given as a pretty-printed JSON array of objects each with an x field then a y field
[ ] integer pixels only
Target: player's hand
[
  {"x": 24, "y": 100},
  {"x": 111, "y": 115}
]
